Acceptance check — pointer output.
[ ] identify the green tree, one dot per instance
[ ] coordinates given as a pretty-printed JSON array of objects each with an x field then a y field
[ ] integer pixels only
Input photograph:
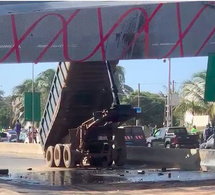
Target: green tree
[
  {"x": 119, "y": 78},
  {"x": 5, "y": 111},
  {"x": 152, "y": 106},
  {"x": 42, "y": 84},
  {"x": 192, "y": 97},
  {"x": 1, "y": 97}
]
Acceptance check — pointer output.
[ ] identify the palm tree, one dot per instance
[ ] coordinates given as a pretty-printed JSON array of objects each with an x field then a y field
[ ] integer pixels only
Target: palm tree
[
  {"x": 119, "y": 78},
  {"x": 192, "y": 97},
  {"x": 1, "y": 96},
  {"x": 44, "y": 80},
  {"x": 42, "y": 84}
]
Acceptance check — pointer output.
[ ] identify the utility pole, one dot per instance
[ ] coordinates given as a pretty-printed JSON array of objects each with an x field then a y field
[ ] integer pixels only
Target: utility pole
[
  {"x": 32, "y": 103},
  {"x": 168, "y": 97},
  {"x": 138, "y": 101},
  {"x": 173, "y": 89}
]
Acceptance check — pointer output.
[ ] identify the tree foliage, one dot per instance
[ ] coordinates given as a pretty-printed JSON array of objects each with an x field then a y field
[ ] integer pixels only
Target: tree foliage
[
  {"x": 152, "y": 106},
  {"x": 42, "y": 84},
  {"x": 119, "y": 79},
  {"x": 192, "y": 97},
  {"x": 5, "y": 111}
]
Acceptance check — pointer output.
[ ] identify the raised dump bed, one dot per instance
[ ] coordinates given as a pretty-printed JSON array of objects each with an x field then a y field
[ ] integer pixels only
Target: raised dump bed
[{"x": 79, "y": 116}]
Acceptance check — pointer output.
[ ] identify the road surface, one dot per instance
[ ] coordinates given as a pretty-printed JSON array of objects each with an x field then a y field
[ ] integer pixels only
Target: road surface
[{"x": 98, "y": 181}]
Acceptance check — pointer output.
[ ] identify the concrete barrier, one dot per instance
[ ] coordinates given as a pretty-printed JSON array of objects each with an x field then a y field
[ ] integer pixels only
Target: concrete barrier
[
  {"x": 186, "y": 159},
  {"x": 207, "y": 157},
  {"x": 20, "y": 148}
]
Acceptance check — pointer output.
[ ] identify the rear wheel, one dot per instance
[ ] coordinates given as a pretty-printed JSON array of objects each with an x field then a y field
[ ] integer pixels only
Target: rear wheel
[
  {"x": 168, "y": 145},
  {"x": 58, "y": 155},
  {"x": 121, "y": 157},
  {"x": 177, "y": 146},
  {"x": 50, "y": 156},
  {"x": 69, "y": 157},
  {"x": 149, "y": 145}
]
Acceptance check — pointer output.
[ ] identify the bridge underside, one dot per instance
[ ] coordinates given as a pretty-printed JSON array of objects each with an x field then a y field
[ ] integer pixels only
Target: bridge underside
[{"x": 105, "y": 31}]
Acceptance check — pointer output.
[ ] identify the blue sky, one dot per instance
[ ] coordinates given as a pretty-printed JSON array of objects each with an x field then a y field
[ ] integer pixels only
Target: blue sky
[{"x": 151, "y": 74}]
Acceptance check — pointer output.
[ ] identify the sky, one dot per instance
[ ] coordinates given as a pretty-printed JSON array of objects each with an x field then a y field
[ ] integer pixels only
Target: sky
[{"x": 151, "y": 74}]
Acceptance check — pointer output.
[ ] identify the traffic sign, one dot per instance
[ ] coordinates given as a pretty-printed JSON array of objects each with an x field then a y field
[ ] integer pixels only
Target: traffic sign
[
  {"x": 28, "y": 106},
  {"x": 138, "y": 110}
]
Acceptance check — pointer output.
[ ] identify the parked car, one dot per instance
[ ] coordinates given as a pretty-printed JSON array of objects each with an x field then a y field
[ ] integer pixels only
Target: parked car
[
  {"x": 3, "y": 137},
  {"x": 208, "y": 144},
  {"x": 11, "y": 135},
  {"x": 134, "y": 136},
  {"x": 173, "y": 137}
]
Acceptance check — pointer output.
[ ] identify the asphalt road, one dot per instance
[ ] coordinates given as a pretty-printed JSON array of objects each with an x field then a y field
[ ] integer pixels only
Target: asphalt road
[{"x": 40, "y": 179}]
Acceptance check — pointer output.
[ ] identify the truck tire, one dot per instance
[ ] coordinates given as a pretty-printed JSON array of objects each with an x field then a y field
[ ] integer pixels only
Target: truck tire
[
  {"x": 95, "y": 162},
  {"x": 58, "y": 155},
  {"x": 50, "y": 157},
  {"x": 149, "y": 145},
  {"x": 121, "y": 157},
  {"x": 69, "y": 157},
  {"x": 168, "y": 145}
]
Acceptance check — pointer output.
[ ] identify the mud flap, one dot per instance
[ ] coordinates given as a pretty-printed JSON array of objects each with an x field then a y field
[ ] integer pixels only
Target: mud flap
[{"x": 119, "y": 150}]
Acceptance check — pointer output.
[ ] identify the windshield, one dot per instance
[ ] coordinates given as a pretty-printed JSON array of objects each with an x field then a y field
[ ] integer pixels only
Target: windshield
[
  {"x": 133, "y": 130},
  {"x": 178, "y": 131},
  {"x": 137, "y": 130}
]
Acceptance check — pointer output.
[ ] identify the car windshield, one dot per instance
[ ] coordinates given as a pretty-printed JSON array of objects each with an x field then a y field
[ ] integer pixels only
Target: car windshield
[
  {"x": 137, "y": 130},
  {"x": 178, "y": 131},
  {"x": 133, "y": 130},
  {"x": 128, "y": 131}
]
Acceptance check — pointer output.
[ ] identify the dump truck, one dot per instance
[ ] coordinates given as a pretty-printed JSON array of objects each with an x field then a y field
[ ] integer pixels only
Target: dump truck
[{"x": 80, "y": 122}]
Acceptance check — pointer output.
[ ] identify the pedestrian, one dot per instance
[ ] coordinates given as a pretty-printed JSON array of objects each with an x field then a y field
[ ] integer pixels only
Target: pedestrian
[
  {"x": 194, "y": 130},
  {"x": 30, "y": 140},
  {"x": 154, "y": 130},
  {"x": 35, "y": 135},
  {"x": 207, "y": 132},
  {"x": 18, "y": 129}
]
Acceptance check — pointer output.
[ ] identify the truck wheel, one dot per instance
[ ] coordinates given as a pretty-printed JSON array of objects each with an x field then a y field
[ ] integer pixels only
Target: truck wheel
[
  {"x": 50, "y": 156},
  {"x": 121, "y": 157},
  {"x": 95, "y": 162},
  {"x": 58, "y": 155},
  {"x": 110, "y": 163},
  {"x": 69, "y": 157},
  {"x": 149, "y": 145},
  {"x": 177, "y": 146},
  {"x": 168, "y": 145}
]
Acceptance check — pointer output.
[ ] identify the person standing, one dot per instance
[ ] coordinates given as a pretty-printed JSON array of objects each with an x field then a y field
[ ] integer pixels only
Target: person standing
[
  {"x": 194, "y": 130},
  {"x": 18, "y": 129},
  {"x": 206, "y": 132},
  {"x": 30, "y": 140},
  {"x": 154, "y": 130},
  {"x": 35, "y": 135}
]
